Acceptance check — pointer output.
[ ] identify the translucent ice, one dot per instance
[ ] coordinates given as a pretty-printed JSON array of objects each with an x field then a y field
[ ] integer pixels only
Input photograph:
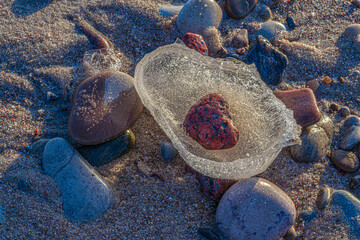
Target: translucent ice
[
  {"x": 172, "y": 78},
  {"x": 100, "y": 60}
]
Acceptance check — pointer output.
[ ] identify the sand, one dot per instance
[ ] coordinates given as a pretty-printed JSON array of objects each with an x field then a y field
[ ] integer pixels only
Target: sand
[{"x": 41, "y": 51}]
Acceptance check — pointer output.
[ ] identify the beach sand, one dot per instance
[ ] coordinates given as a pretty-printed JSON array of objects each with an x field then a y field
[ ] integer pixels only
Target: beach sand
[{"x": 41, "y": 50}]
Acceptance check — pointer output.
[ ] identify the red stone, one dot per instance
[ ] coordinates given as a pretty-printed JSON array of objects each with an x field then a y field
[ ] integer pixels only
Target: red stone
[
  {"x": 196, "y": 42},
  {"x": 209, "y": 123},
  {"x": 212, "y": 188},
  {"x": 303, "y": 103}
]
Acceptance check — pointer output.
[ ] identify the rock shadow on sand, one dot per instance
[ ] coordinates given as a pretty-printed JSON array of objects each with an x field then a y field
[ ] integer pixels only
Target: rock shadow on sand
[{"x": 23, "y": 8}]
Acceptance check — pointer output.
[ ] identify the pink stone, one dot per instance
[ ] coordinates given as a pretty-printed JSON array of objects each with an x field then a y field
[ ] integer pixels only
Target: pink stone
[
  {"x": 303, "y": 103},
  {"x": 209, "y": 123}
]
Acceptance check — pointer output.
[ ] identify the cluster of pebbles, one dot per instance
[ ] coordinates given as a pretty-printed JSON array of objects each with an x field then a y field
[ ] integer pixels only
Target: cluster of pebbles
[{"x": 106, "y": 105}]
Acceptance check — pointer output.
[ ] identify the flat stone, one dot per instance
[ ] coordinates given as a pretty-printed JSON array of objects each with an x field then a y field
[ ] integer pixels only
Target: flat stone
[
  {"x": 269, "y": 61},
  {"x": 350, "y": 205},
  {"x": 98, "y": 155},
  {"x": 255, "y": 209},
  {"x": 270, "y": 29},
  {"x": 239, "y": 9},
  {"x": 197, "y": 15},
  {"x": 313, "y": 147},
  {"x": 303, "y": 103},
  {"x": 168, "y": 152},
  {"x": 212, "y": 188},
  {"x": 169, "y": 10},
  {"x": 196, "y": 42},
  {"x": 344, "y": 160},
  {"x": 84, "y": 193},
  {"x": 241, "y": 39},
  {"x": 351, "y": 138},
  {"x": 323, "y": 197},
  {"x": 307, "y": 215},
  {"x": 351, "y": 120},
  {"x": 209, "y": 123},
  {"x": 104, "y": 107}
]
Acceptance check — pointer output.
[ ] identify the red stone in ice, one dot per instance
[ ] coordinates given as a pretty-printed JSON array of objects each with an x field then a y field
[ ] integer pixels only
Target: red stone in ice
[
  {"x": 209, "y": 123},
  {"x": 196, "y": 42}
]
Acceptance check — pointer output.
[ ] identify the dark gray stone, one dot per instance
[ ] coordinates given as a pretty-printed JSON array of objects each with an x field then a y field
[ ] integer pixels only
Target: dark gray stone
[
  {"x": 344, "y": 111},
  {"x": 168, "y": 152},
  {"x": 344, "y": 160},
  {"x": 350, "y": 206},
  {"x": 355, "y": 183},
  {"x": 101, "y": 154},
  {"x": 265, "y": 12},
  {"x": 270, "y": 29},
  {"x": 351, "y": 138},
  {"x": 351, "y": 120},
  {"x": 313, "y": 147},
  {"x": 269, "y": 61},
  {"x": 323, "y": 198},
  {"x": 37, "y": 148},
  {"x": 291, "y": 23},
  {"x": 254, "y": 209},
  {"x": 239, "y": 9},
  {"x": 84, "y": 193},
  {"x": 307, "y": 215}
]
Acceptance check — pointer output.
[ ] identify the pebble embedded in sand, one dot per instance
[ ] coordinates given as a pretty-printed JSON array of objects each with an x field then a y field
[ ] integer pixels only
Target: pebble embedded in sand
[
  {"x": 323, "y": 197},
  {"x": 241, "y": 39},
  {"x": 344, "y": 160},
  {"x": 303, "y": 103},
  {"x": 254, "y": 209},
  {"x": 197, "y": 15},
  {"x": 291, "y": 23},
  {"x": 168, "y": 152},
  {"x": 265, "y": 12},
  {"x": 209, "y": 123},
  {"x": 104, "y": 106},
  {"x": 270, "y": 29},
  {"x": 84, "y": 193},
  {"x": 239, "y": 9},
  {"x": 351, "y": 138}
]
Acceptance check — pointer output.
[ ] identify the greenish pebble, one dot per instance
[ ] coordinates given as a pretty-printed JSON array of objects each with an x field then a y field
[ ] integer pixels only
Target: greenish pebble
[{"x": 104, "y": 153}]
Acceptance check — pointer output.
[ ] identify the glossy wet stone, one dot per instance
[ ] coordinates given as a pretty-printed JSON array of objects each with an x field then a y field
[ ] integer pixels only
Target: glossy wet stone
[
  {"x": 323, "y": 197},
  {"x": 344, "y": 111},
  {"x": 209, "y": 123},
  {"x": 85, "y": 195},
  {"x": 351, "y": 138},
  {"x": 269, "y": 61},
  {"x": 197, "y": 15},
  {"x": 303, "y": 103},
  {"x": 167, "y": 150},
  {"x": 264, "y": 12},
  {"x": 104, "y": 106},
  {"x": 241, "y": 39},
  {"x": 196, "y": 42},
  {"x": 350, "y": 205},
  {"x": 344, "y": 160},
  {"x": 270, "y": 29},
  {"x": 101, "y": 154},
  {"x": 212, "y": 188},
  {"x": 255, "y": 209},
  {"x": 239, "y": 9}
]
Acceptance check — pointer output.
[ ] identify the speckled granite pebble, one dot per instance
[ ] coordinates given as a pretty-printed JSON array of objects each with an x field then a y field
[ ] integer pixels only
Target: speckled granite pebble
[{"x": 254, "y": 209}]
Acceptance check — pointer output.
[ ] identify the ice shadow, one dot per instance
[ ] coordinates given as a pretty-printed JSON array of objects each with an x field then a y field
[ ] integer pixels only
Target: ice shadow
[{"x": 23, "y": 8}]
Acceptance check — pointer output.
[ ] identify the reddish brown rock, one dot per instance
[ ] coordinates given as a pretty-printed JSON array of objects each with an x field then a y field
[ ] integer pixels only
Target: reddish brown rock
[
  {"x": 212, "y": 188},
  {"x": 209, "y": 123},
  {"x": 103, "y": 107},
  {"x": 196, "y": 42},
  {"x": 303, "y": 103},
  {"x": 239, "y": 9}
]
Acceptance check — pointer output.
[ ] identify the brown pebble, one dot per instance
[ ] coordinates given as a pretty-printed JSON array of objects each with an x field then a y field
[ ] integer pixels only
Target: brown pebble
[
  {"x": 323, "y": 197},
  {"x": 327, "y": 80},
  {"x": 334, "y": 107},
  {"x": 239, "y": 9},
  {"x": 313, "y": 84},
  {"x": 240, "y": 51},
  {"x": 303, "y": 103},
  {"x": 241, "y": 39},
  {"x": 341, "y": 79},
  {"x": 344, "y": 160},
  {"x": 344, "y": 111},
  {"x": 291, "y": 234}
]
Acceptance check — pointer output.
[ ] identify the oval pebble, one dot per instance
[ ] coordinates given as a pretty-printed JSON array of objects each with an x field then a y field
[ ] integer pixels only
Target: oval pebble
[
  {"x": 344, "y": 160},
  {"x": 307, "y": 215},
  {"x": 168, "y": 152},
  {"x": 344, "y": 111},
  {"x": 352, "y": 31},
  {"x": 270, "y": 29},
  {"x": 239, "y": 9},
  {"x": 103, "y": 107},
  {"x": 351, "y": 138},
  {"x": 265, "y": 12},
  {"x": 323, "y": 198},
  {"x": 351, "y": 120},
  {"x": 197, "y": 15},
  {"x": 255, "y": 209}
]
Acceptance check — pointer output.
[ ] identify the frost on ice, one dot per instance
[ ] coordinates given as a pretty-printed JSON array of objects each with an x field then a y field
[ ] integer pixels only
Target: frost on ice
[
  {"x": 172, "y": 78},
  {"x": 100, "y": 60}
]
